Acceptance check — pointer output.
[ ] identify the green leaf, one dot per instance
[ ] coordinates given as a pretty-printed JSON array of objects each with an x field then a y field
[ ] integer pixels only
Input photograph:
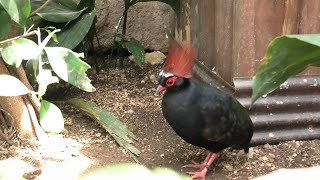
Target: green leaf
[
  {"x": 31, "y": 70},
  {"x": 19, "y": 10},
  {"x": 45, "y": 78},
  {"x": 56, "y": 11},
  {"x": 11, "y": 86},
  {"x": 286, "y": 56},
  {"x": 133, "y": 171},
  {"x": 71, "y": 4},
  {"x": 67, "y": 65},
  {"x": 5, "y": 23},
  {"x": 54, "y": 36},
  {"x": 136, "y": 48},
  {"x": 51, "y": 119},
  {"x": 71, "y": 35},
  {"x": 89, "y": 4},
  {"x": 115, "y": 127},
  {"x": 175, "y": 4},
  {"x": 18, "y": 50}
]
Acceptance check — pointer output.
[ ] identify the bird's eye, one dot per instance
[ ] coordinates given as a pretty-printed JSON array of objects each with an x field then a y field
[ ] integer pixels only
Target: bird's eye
[{"x": 171, "y": 81}]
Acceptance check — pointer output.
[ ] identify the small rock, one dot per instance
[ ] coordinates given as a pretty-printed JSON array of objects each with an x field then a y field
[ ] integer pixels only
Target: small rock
[
  {"x": 267, "y": 146},
  {"x": 240, "y": 153},
  {"x": 154, "y": 58},
  {"x": 153, "y": 79},
  {"x": 98, "y": 134},
  {"x": 130, "y": 111},
  {"x": 161, "y": 155},
  {"x": 228, "y": 167},
  {"x": 264, "y": 158},
  {"x": 250, "y": 153}
]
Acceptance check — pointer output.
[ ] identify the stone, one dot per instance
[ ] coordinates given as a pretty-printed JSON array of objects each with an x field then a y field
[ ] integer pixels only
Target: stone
[
  {"x": 154, "y": 58},
  {"x": 148, "y": 22}
]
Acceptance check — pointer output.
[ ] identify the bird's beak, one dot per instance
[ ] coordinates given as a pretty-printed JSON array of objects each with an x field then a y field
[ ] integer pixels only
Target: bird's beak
[{"x": 160, "y": 89}]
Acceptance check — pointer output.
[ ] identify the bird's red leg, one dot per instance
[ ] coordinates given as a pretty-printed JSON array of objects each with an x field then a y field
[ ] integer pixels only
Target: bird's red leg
[
  {"x": 198, "y": 165},
  {"x": 203, "y": 167}
]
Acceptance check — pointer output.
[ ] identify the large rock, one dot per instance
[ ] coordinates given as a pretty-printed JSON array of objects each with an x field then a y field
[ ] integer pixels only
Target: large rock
[{"x": 148, "y": 22}]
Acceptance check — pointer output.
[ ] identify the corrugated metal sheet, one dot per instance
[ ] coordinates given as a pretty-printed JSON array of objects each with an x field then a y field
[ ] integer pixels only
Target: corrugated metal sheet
[{"x": 292, "y": 112}]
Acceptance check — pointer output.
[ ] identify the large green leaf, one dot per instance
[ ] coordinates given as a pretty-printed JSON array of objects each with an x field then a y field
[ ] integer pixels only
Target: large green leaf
[
  {"x": 286, "y": 56},
  {"x": 175, "y": 4},
  {"x": 20, "y": 49},
  {"x": 136, "y": 48},
  {"x": 89, "y": 4},
  {"x": 71, "y": 4},
  {"x": 71, "y": 35},
  {"x": 11, "y": 86},
  {"x": 5, "y": 23},
  {"x": 56, "y": 11},
  {"x": 19, "y": 10},
  {"x": 133, "y": 171},
  {"x": 45, "y": 78},
  {"x": 51, "y": 119},
  {"x": 115, "y": 127},
  {"x": 67, "y": 65}
]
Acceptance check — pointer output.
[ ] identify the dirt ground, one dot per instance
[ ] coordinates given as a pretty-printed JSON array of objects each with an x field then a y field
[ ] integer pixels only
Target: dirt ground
[{"x": 129, "y": 95}]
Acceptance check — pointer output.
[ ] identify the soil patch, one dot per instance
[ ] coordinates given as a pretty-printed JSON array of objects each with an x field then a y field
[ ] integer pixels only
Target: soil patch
[{"x": 129, "y": 95}]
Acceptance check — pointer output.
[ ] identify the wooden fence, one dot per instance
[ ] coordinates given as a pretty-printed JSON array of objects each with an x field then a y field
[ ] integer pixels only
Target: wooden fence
[{"x": 232, "y": 35}]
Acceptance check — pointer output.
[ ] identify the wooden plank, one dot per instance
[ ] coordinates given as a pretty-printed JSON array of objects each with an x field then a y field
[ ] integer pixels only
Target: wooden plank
[
  {"x": 291, "y": 17},
  {"x": 243, "y": 38},
  {"x": 223, "y": 34},
  {"x": 269, "y": 18},
  {"x": 310, "y": 23},
  {"x": 206, "y": 33}
]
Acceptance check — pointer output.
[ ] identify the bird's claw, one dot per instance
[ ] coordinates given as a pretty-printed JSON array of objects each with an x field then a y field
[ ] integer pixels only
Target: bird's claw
[
  {"x": 199, "y": 174},
  {"x": 194, "y": 165}
]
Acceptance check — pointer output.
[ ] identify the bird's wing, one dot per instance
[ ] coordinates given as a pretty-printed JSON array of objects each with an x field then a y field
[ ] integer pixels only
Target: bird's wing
[{"x": 217, "y": 125}]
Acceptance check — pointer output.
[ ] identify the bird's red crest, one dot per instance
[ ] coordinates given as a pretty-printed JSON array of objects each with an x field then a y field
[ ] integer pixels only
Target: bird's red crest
[{"x": 180, "y": 59}]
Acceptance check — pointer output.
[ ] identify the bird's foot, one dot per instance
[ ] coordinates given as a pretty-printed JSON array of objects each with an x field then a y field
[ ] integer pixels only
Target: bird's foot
[
  {"x": 199, "y": 174},
  {"x": 195, "y": 165}
]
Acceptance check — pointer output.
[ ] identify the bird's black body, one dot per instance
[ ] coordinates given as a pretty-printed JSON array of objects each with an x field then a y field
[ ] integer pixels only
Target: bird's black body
[{"x": 205, "y": 116}]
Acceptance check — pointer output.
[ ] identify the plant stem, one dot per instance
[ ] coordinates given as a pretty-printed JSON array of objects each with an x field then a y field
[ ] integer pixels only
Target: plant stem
[
  {"x": 17, "y": 37},
  {"x": 125, "y": 16},
  {"x": 40, "y": 8}
]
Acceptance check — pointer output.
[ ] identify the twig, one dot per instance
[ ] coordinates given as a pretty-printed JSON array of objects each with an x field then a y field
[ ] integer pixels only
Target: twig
[
  {"x": 20, "y": 74},
  {"x": 17, "y": 37},
  {"x": 41, "y": 135},
  {"x": 125, "y": 16},
  {"x": 40, "y": 8},
  {"x": 7, "y": 114},
  {"x": 4, "y": 137}
]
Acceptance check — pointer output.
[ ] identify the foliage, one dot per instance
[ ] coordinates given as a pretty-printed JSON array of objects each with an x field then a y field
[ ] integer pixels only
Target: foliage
[
  {"x": 13, "y": 86},
  {"x": 136, "y": 48},
  {"x": 71, "y": 35},
  {"x": 51, "y": 59},
  {"x": 57, "y": 11},
  {"x": 285, "y": 56},
  {"x": 48, "y": 111},
  {"x": 133, "y": 171},
  {"x": 113, "y": 126},
  {"x": 44, "y": 63}
]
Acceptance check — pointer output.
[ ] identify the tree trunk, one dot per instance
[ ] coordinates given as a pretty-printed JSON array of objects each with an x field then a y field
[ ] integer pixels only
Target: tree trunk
[{"x": 21, "y": 111}]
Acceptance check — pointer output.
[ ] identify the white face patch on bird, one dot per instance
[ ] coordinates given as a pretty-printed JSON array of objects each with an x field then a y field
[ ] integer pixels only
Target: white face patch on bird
[
  {"x": 164, "y": 74},
  {"x": 169, "y": 79}
]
